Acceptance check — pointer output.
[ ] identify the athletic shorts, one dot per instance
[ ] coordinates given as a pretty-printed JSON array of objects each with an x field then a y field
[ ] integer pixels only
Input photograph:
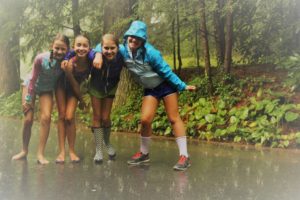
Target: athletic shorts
[
  {"x": 101, "y": 95},
  {"x": 159, "y": 92}
]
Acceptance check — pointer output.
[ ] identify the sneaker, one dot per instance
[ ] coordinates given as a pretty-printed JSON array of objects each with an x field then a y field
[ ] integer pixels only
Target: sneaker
[
  {"x": 182, "y": 164},
  {"x": 138, "y": 158}
]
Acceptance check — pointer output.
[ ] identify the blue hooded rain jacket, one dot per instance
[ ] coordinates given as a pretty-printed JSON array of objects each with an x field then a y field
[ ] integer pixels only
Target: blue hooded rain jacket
[{"x": 147, "y": 66}]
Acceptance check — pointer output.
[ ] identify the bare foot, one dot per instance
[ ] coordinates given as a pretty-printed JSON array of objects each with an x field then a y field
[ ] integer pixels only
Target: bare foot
[
  {"x": 41, "y": 160},
  {"x": 60, "y": 158},
  {"x": 74, "y": 157},
  {"x": 20, "y": 156}
]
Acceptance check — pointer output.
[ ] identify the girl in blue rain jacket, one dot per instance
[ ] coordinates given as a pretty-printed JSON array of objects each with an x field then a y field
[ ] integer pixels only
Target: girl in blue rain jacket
[{"x": 150, "y": 70}]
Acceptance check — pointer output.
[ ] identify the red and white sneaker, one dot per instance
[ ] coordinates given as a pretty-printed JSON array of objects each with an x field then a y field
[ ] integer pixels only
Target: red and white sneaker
[
  {"x": 182, "y": 164},
  {"x": 138, "y": 158}
]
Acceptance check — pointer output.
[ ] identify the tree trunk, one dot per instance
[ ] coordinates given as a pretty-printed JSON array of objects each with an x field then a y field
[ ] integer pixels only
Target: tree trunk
[
  {"x": 108, "y": 17},
  {"x": 297, "y": 16},
  {"x": 126, "y": 84},
  {"x": 196, "y": 46},
  {"x": 75, "y": 18},
  {"x": 178, "y": 38},
  {"x": 131, "y": 9},
  {"x": 205, "y": 46},
  {"x": 229, "y": 35},
  {"x": 219, "y": 34},
  {"x": 174, "y": 44},
  {"x": 10, "y": 65}
]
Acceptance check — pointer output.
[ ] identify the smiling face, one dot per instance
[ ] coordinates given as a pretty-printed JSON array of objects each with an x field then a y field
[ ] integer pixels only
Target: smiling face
[
  {"x": 134, "y": 43},
  {"x": 60, "y": 49},
  {"x": 109, "y": 49},
  {"x": 81, "y": 46}
]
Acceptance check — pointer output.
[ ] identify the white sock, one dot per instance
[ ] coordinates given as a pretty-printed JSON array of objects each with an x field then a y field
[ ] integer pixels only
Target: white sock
[
  {"x": 182, "y": 145},
  {"x": 145, "y": 141}
]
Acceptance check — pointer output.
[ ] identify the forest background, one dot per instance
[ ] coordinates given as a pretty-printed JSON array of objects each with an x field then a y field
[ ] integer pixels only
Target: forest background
[{"x": 243, "y": 55}]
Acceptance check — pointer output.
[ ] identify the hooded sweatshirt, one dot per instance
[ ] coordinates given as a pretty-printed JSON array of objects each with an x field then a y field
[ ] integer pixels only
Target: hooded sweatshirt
[
  {"x": 147, "y": 66},
  {"x": 44, "y": 74}
]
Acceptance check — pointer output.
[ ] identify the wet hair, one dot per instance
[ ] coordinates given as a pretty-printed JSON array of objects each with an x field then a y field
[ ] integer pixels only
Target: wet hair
[
  {"x": 62, "y": 38},
  {"x": 112, "y": 37}
]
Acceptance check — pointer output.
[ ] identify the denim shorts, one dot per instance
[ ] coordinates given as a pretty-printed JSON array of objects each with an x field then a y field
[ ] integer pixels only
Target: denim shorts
[{"x": 159, "y": 92}]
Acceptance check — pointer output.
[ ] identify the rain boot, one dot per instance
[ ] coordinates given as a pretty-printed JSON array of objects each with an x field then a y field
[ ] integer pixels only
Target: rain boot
[
  {"x": 98, "y": 134},
  {"x": 109, "y": 148}
]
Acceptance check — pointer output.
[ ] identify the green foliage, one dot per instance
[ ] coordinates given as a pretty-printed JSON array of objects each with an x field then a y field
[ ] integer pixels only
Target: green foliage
[
  {"x": 225, "y": 86},
  {"x": 254, "y": 120},
  {"x": 266, "y": 30},
  {"x": 127, "y": 117},
  {"x": 292, "y": 65},
  {"x": 11, "y": 105},
  {"x": 11, "y": 14},
  {"x": 228, "y": 116}
]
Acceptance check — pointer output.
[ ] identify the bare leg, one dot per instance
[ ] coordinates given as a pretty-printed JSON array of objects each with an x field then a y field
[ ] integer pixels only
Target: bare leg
[
  {"x": 46, "y": 103},
  {"x": 70, "y": 127},
  {"x": 26, "y": 131},
  {"x": 171, "y": 106},
  {"x": 149, "y": 107},
  {"x": 61, "y": 106},
  {"x": 96, "y": 105},
  {"x": 106, "y": 106}
]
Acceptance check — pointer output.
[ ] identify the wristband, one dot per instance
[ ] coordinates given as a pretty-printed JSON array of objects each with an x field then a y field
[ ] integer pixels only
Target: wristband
[{"x": 28, "y": 98}]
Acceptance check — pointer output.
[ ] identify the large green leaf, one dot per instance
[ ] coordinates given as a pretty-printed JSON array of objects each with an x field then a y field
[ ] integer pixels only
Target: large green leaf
[
  {"x": 244, "y": 113},
  {"x": 210, "y": 118},
  {"x": 291, "y": 116},
  {"x": 233, "y": 120},
  {"x": 231, "y": 129},
  {"x": 269, "y": 107}
]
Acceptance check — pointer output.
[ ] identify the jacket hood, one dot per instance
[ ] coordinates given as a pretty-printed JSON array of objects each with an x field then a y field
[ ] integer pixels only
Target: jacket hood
[{"x": 137, "y": 29}]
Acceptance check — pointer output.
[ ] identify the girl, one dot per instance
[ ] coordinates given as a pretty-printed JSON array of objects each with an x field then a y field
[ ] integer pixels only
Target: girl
[
  {"x": 103, "y": 87},
  {"x": 154, "y": 74},
  {"x": 68, "y": 94},
  {"x": 44, "y": 76}
]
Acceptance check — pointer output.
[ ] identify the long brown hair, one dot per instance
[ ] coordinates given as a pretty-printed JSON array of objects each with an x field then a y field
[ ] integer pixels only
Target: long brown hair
[{"x": 62, "y": 38}]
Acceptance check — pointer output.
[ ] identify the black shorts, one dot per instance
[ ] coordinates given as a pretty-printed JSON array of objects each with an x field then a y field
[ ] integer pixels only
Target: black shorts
[{"x": 159, "y": 92}]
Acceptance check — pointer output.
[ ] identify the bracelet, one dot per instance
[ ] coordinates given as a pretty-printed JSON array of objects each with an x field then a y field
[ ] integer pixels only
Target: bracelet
[{"x": 28, "y": 98}]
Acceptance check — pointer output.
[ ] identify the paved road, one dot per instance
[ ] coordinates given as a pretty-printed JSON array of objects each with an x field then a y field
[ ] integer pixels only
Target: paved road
[{"x": 217, "y": 172}]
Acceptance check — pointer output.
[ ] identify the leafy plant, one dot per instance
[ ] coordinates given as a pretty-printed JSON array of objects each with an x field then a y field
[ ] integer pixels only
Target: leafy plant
[
  {"x": 11, "y": 105},
  {"x": 292, "y": 65}
]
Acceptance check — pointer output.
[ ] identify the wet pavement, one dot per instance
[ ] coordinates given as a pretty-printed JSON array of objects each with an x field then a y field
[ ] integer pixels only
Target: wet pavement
[{"x": 217, "y": 172}]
